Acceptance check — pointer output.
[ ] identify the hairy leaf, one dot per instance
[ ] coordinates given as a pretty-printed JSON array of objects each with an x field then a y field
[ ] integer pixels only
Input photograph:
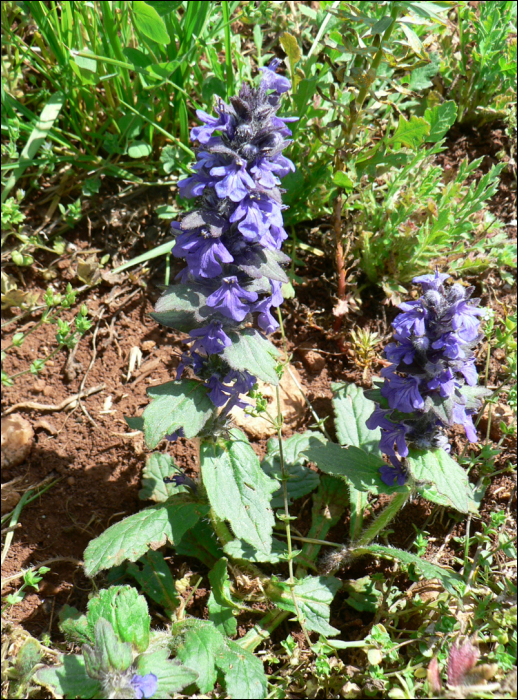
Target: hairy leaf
[
  {"x": 155, "y": 579},
  {"x": 176, "y": 405},
  {"x": 237, "y": 549},
  {"x": 244, "y": 673},
  {"x": 436, "y": 469},
  {"x": 132, "y": 537},
  {"x": 198, "y": 646},
  {"x": 126, "y": 611},
  {"x": 201, "y": 542},
  {"x": 172, "y": 675},
  {"x": 301, "y": 479},
  {"x": 238, "y": 489},
  {"x": 68, "y": 679},
  {"x": 359, "y": 468},
  {"x": 252, "y": 352},
  {"x": 222, "y": 616},
  {"x": 314, "y": 595},
  {"x": 352, "y": 409},
  {"x": 158, "y": 466},
  {"x": 449, "y": 579}
]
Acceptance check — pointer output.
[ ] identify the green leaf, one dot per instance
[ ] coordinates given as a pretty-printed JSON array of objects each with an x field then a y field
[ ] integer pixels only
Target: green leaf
[
  {"x": 158, "y": 467},
  {"x": 440, "y": 118},
  {"x": 108, "y": 653},
  {"x": 363, "y": 594},
  {"x": 251, "y": 351},
  {"x": 148, "y": 21},
  {"x": 329, "y": 503},
  {"x": 183, "y": 307},
  {"x": 132, "y": 537},
  {"x": 244, "y": 673},
  {"x": 314, "y": 595},
  {"x": 301, "y": 479},
  {"x": 198, "y": 645},
  {"x": 175, "y": 405},
  {"x": 126, "y": 611},
  {"x": 381, "y": 26},
  {"x": 28, "y": 655},
  {"x": 264, "y": 263},
  {"x": 49, "y": 114},
  {"x": 342, "y": 180},
  {"x": 135, "y": 422},
  {"x": 74, "y": 625},
  {"x": 237, "y": 549},
  {"x": 291, "y": 48},
  {"x": 411, "y": 133},
  {"x": 238, "y": 489},
  {"x": 155, "y": 580},
  {"x": 449, "y": 579},
  {"x": 436, "y": 469},
  {"x": 172, "y": 676},
  {"x": 164, "y": 7},
  {"x": 352, "y": 409},
  {"x": 413, "y": 40},
  {"x": 420, "y": 77},
  {"x": 359, "y": 468},
  {"x": 220, "y": 584},
  {"x": 68, "y": 679},
  {"x": 137, "y": 58},
  {"x": 222, "y": 617},
  {"x": 200, "y": 541},
  {"x": 139, "y": 149}
]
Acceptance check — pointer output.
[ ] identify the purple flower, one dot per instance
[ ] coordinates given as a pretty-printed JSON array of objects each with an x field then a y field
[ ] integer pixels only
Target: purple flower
[
  {"x": 212, "y": 338},
  {"x": 393, "y": 475},
  {"x": 434, "y": 337},
  {"x": 451, "y": 345},
  {"x": 228, "y": 299},
  {"x": 144, "y": 686},
  {"x": 412, "y": 321},
  {"x": 194, "y": 185},
  {"x": 219, "y": 393},
  {"x": 464, "y": 418},
  {"x": 236, "y": 182},
  {"x": 244, "y": 381},
  {"x": 173, "y": 437},
  {"x": 211, "y": 124},
  {"x": 204, "y": 259},
  {"x": 434, "y": 282},
  {"x": 464, "y": 320},
  {"x": 404, "y": 352},
  {"x": 238, "y": 215},
  {"x": 445, "y": 382},
  {"x": 272, "y": 81},
  {"x": 402, "y": 393}
]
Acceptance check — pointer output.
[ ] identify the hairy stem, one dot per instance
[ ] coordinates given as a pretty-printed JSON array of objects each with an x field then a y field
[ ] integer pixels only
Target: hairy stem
[
  {"x": 287, "y": 518},
  {"x": 382, "y": 520}
]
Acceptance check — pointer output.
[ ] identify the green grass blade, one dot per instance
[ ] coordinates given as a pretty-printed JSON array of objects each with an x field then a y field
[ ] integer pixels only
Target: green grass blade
[
  {"x": 40, "y": 132},
  {"x": 163, "y": 249}
]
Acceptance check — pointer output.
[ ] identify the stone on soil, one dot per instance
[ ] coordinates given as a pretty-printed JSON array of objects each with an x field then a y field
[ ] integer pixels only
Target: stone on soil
[
  {"x": 17, "y": 439},
  {"x": 292, "y": 406}
]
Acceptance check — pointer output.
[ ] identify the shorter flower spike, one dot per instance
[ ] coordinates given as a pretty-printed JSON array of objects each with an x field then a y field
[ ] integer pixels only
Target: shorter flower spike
[{"x": 431, "y": 383}]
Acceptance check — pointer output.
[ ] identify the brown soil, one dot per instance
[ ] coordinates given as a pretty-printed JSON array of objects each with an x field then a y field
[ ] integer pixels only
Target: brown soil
[{"x": 96, "y": 466}]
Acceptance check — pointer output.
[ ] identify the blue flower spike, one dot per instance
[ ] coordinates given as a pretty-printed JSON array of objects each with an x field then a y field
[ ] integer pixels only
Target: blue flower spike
[{"x": 430, "y": 385}]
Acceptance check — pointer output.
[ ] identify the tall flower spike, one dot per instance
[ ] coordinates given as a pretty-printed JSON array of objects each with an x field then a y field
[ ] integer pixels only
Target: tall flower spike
[
  {"x": 231, "y": 241},
  {"x": 431, "y": 383}
]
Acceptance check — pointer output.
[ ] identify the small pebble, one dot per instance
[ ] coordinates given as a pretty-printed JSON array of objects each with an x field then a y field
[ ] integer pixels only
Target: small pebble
[
  {"x": 17, "y": 439},
  {"x": 148, "y": 345},
  {"x": 71, "y": 481}
]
